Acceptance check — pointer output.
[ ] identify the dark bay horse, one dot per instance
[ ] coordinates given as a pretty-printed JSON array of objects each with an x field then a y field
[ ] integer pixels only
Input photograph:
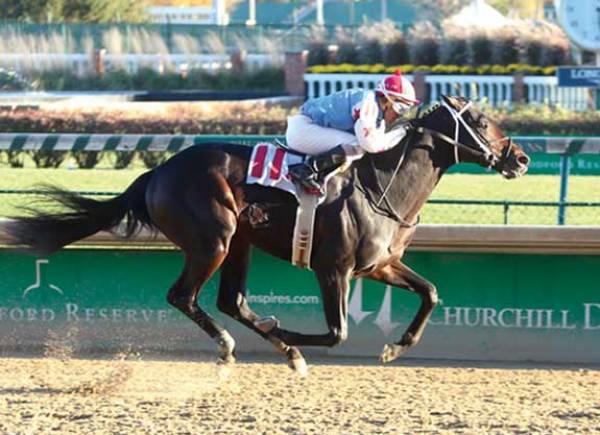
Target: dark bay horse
[{"x": 200, "y": 201}]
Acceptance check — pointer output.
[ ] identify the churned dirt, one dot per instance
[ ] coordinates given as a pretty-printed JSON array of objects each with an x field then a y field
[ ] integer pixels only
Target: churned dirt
[{"x": 59, "y": 394}]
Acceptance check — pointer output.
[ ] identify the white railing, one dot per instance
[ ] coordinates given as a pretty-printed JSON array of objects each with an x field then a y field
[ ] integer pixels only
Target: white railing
[
  {"x": 77, "y": 62},
  {"x": 546, "y": 90},
  {"x": 496, "y": 90},
  {"x": 82, "y": 63},
  {"x": 162, "y": 62}
]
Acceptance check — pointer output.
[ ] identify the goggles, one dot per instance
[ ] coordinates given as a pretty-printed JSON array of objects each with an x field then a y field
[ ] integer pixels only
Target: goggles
[{"x": 398, "y": 106}]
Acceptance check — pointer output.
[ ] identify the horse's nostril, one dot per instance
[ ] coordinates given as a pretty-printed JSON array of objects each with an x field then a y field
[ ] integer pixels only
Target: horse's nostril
[{"x": 523, "y": 159}]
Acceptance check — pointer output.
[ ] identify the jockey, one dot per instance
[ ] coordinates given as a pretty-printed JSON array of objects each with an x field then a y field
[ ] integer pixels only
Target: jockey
[{"x": 341, "y": 127}]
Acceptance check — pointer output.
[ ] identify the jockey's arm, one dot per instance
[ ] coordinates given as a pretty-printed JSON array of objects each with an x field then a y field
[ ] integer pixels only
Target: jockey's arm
[{"x": 372, "y": 137}]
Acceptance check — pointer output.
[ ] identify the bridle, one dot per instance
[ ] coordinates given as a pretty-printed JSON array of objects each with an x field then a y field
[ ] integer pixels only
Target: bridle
[{"x": 483, "y": 153}]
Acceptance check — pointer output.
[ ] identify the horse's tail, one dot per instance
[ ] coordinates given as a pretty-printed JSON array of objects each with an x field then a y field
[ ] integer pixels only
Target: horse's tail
[{"x": 43, "y": 232}]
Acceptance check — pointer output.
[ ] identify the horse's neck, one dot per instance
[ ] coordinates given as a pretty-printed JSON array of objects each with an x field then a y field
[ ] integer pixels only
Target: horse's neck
[{"x": 414, "y": 183}]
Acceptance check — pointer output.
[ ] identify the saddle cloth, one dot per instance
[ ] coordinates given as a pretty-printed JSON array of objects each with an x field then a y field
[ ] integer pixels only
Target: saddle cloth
[{"x": 269, "y": 167}]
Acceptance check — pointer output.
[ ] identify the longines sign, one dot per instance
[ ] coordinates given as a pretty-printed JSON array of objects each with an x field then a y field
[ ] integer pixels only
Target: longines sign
[{"x": 583, "y": 77}]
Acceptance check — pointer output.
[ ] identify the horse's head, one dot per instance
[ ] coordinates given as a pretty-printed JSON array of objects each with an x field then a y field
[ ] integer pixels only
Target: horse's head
[{"x": 478, "y": 139}]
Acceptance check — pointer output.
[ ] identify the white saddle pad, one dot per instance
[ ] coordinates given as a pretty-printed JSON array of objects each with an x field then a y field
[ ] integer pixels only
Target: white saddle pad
[{"x": 269, "y": 167}]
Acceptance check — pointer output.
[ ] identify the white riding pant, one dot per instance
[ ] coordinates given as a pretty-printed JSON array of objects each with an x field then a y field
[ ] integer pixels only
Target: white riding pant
[{"x": 304, "y": 136}]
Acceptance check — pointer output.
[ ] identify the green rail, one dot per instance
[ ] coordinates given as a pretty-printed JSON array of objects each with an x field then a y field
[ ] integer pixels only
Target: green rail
[
  {"x": 123, "y": 143},
  {"x": 173, "y": 143},
  {"x": 566, "y": 147}
]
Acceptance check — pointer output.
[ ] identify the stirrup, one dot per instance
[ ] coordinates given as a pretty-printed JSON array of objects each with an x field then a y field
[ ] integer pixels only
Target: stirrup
[
  {"x": 309, "y": 184},
  {"x": 305, "y": 176},
  {"x": 312, "y": 186}
]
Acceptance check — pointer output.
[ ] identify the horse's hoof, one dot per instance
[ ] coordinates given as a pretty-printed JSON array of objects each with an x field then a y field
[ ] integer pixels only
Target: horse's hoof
[
  {"x": 296, "y": 361},
  {"x": 391, "y": 352},
  {"x": 223, "y": 371},
  {"x": 226, "y": 347},
  {"x": 299, "y": 366},
  {"x": 226, "y": 359},
  {"x": 267, "y": 324}
]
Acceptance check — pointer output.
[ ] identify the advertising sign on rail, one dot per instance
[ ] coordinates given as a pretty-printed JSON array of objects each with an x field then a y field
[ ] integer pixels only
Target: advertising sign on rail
[{"x": 493, "y": 306}]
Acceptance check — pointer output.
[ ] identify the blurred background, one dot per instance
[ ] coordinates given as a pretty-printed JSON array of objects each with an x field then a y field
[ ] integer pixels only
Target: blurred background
[{"x": 239, "y": 68}]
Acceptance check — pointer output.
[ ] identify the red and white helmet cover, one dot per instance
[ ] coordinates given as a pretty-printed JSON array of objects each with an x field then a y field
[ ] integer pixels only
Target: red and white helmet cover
[{"x": 399, "y": 87}]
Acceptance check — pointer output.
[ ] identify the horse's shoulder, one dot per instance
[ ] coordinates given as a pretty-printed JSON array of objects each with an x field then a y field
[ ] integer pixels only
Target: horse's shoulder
[{"x": 401, "y": 240}]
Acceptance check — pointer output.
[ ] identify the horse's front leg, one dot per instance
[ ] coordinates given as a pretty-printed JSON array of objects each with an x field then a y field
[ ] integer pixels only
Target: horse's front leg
[
  {"x": 400, "y": 275},
  {"x": 231, "y": 300},
  {"x": 335, "y": 287}
]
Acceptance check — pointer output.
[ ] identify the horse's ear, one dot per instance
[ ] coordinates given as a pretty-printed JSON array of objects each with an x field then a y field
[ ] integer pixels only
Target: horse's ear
[{"x": 449, "y": 100}]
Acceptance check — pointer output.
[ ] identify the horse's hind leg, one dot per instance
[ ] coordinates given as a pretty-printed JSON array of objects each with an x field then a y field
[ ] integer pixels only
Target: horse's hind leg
[
  {"x": 183, "y": 295},
  {"x": 335, "y": 286},
  {"x": 201, "y": 223},
  {"x": 232, "y": 299}
]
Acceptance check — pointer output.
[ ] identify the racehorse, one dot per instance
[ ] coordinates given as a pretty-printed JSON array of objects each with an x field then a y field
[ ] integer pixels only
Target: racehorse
[{"x": 200, "y": 201}]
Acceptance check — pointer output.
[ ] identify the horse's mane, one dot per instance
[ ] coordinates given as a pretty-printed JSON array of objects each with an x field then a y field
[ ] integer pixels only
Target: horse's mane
[{"x": 424, "y": 115}]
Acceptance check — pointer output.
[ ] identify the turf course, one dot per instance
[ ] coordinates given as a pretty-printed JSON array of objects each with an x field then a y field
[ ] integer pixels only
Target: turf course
[{"x": 452, "y": 187}]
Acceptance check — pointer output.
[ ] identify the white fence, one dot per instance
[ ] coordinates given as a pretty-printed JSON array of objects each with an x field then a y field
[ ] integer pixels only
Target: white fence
[
  {"x": 325, "y": 84},
  {"x": 82, "y": 63},
  {"x": 497, "y": 90},
  {"x": 546, "y": 89}
]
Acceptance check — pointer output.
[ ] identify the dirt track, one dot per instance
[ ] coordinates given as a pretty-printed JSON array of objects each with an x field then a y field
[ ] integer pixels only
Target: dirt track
[{"x": 102, "y": 396}]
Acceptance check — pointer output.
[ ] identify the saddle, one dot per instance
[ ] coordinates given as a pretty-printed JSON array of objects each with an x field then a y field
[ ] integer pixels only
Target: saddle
[{"x": 269, "y": 166}]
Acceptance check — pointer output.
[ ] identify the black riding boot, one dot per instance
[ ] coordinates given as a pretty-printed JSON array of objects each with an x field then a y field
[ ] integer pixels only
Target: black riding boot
[{"x": 310, "y": 173}]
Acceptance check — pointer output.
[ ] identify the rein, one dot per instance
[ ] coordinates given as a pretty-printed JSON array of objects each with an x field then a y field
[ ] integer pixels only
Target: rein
[
  {"x": 388, "y": 210},
  {"x": 484, "y": 154},
  {"x": 453, "y": 142}
]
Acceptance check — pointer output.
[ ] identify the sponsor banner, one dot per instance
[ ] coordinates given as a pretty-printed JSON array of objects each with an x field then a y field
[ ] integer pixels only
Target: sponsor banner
[
  {"x": 582, "y": 77},
  {"x": 493, "y": 306},
  {"x": 543, "y": 164}
]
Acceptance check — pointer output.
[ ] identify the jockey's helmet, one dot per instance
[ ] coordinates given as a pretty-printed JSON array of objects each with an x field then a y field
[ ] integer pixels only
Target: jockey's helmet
[{"x": 399, "y": 91}]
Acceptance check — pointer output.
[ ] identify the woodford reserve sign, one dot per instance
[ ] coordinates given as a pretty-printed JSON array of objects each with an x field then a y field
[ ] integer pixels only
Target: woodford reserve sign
[{"x": 493, "y": 306}]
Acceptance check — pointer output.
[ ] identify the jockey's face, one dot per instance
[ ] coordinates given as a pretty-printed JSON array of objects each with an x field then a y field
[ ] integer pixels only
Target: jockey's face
[{"x": 393, "y": 108}]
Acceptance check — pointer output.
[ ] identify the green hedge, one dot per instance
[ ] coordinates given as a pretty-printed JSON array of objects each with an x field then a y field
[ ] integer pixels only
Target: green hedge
[
  {"x": 435, "y": 69},
  {"x": 521, "y": 120},
  {"x": 240, "y": 121},
  {"x": 266, "y": 79},
  {"x": 83, "y": 159},
  {"x": 544, "y": 120}
]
